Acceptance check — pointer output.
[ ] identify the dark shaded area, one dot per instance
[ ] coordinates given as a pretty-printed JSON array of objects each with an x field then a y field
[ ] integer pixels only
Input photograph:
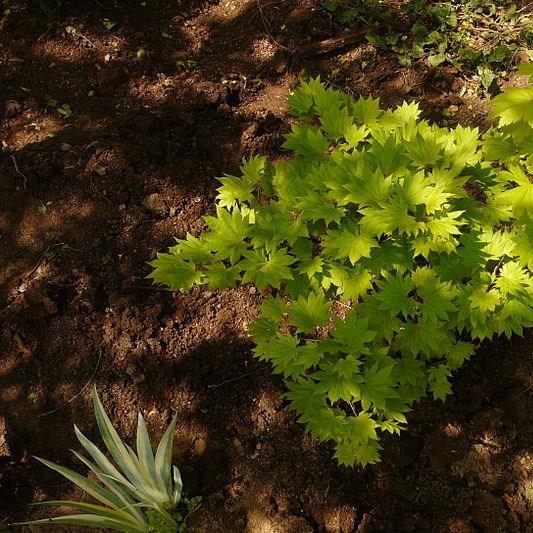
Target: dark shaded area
[{"x": 134, "y": 167}]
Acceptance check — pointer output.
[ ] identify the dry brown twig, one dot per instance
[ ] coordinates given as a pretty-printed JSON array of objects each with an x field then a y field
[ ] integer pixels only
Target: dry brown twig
[{"x": 24, "y": 177}]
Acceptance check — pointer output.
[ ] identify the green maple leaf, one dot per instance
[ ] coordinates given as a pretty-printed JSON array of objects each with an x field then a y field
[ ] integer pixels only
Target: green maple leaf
[
  {"x": 514, "y": 105},
  {"x": 336, "y": 122},
  {"x": 366, "y": 110},
  {"x": 274, "y": 226},
  {"x": 377, "y": 387},
  {"x": 315, "y": 208},
  {"x": 236, "y": 190},
  {"x": 407, "y": 113},
  {"x": 483, "y": 298},
  {"x": 355, "y": 135},
  {"x": 438, "y": 382},
  {"x": 523, "y": 240},
  {"x": 353, "y": 332},
  {"x": 309, "y": 312},
  {"x": 300, "y": 103},
  {"x": 437, "y": 300},
  {"x": 424, "y": 149},
  {"x": 228, "y": 233},
  {"x": 356, "y": 283},
  {"x": 497, "y": 147},
  {"x": 464, "y": 150},
  {"x": 347, "y": 367},
  {"x": 499, "y": 244},
  {"x": 174, "y": 272},
  {"x": 390, "y": 216},
  {"x": 193, "y": 249},
  {"x": 325, "y": 423},
  {"x": 386, "y": 324},
  {"x": 338, "y": 388},
  {"x": 514, "y": 316},
  {"x": 412, "y": 190},
  {"x": 340, "y": 380},
  {"x": 388, "y": 155},
  {"x": 274, "y": 308},
  {"x": 233, "y": 191},
  {"x": 263, "y": 330},
  {"x": 409, "y": 371},
  {"x": 287, "y": 356},
  {"x": 424, "y": 337},
  {"x": 512, "y": 279},
  {"x": 521, "y": 198},
  {"x": 311, "y": 266},
  {"x": 446, "y": 225},
  {"x": 348, "y": 453},
  {"x": 459, "y": 353},
  {"x": 267, "y": 268},
  {"x": 218, "y": 276},
  {"x": 393, "y": 295},
  {"x": 362, "y": 428},
  {"x": 253, "y": 168},
  {"x": 348, "y": 241},
  {"x": 306, "y": 141}
]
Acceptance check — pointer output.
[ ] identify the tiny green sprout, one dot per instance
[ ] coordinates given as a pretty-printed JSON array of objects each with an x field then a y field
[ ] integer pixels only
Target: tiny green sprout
[
  {"x": 141, "y": 53},
  {"x": 109, "y": 24},
  {"x": 188, "y": 64},
  {"x": 65, "y": 111}
]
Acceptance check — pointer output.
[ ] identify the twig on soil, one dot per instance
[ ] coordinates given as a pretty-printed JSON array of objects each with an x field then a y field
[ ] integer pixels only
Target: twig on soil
[
  {"x": 42, "y": 257},
  {"x": 24, "y": 177},
  {"x": 265, "y": 25},
  {"x": 236, "y": 378},
  {"x": 335, "y": 43},
  {"x": 76, "y": 395}
]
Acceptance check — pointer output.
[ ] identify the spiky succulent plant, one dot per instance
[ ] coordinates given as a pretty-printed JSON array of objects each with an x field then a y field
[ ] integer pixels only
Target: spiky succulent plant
[{"x": 138, "y": 491}]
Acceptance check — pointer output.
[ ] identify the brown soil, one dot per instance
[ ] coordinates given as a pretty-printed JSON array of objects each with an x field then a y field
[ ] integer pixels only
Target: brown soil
[{"x": 87, "y": 200}]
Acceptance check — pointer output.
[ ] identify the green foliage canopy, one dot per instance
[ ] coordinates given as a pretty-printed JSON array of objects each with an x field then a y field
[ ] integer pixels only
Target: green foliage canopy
[{"x": 387, "y": 246}]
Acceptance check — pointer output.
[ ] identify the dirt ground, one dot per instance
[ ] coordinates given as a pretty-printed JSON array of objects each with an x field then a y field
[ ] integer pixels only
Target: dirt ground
[{"x": 110, "y": 143}]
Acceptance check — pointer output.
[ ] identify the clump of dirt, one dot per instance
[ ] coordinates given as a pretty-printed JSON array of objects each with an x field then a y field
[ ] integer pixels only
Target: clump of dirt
[{"x": 89, "y": 196}]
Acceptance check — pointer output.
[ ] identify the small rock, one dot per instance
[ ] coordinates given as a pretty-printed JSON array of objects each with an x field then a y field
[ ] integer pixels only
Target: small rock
[
  {"x": 138, "y": 378},
  {"x": 100, "y": 170},
  {"x": 12, "y": 108},
  {"x": 156, "y": 204},
  {"x": 455, "y": 99},
  {"x": 4, "y": 445},
  {"x": 252, "y": 290},
  {"x": 281, "y": 66},
  {"x": 250, "y": 129},
  {"x": 521, "y": 56},
  {"x": 341, "y": 519},
  {"x": 299, "y": 16}
]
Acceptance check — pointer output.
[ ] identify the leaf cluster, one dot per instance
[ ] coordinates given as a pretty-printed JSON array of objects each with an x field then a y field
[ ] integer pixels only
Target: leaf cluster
[
  {"x": 388, "y": 245},
  {"x": 474, "y": 36}
]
